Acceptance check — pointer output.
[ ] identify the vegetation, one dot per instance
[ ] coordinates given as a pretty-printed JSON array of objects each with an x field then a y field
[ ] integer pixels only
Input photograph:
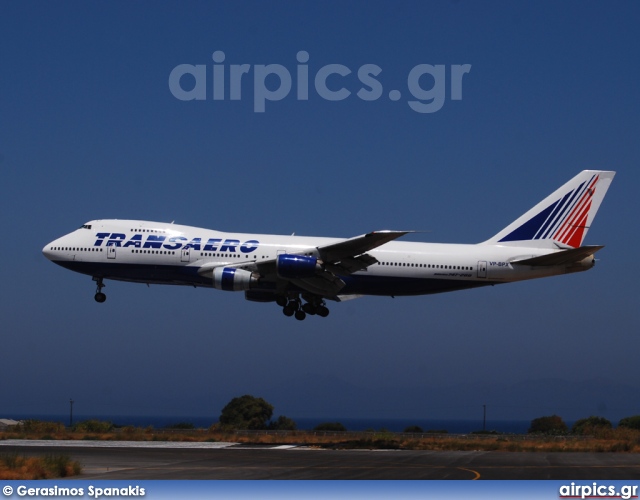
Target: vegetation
[
  {"x": 246, "y": 412},
  {"x": 414, "y": 429},
  {"x": 49, "y": 467},
  {"x": 181, "y": 426},
  {"x": 630, "y": 422},
  {"x": 282, "y": 424},
  {"x": 251, "y": 413},
  {"x": 551, "y": 426},
  {"x": 96, "y": 426},
  {"x": 39, "y": 426},
  {"x": 601, "y": 438},
  {"x": 590, "y": 426}
]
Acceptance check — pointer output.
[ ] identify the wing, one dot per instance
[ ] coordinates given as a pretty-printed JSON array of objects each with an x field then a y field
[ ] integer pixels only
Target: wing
[
  {"x": 341, "y": 259},
  {"x": 358, "y": 245},
  {"x": 334, "y": 260}
]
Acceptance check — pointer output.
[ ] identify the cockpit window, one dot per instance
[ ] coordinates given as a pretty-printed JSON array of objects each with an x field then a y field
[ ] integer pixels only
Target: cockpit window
[{"x": 86, "y": 226}]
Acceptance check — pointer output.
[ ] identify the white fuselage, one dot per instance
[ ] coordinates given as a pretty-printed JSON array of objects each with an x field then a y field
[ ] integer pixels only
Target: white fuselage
[{"x": 162, "y": 253}]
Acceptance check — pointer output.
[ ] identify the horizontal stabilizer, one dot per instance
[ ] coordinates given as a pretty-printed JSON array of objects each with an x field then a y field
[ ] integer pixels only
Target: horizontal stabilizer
[{"x": 561, "y": 257}]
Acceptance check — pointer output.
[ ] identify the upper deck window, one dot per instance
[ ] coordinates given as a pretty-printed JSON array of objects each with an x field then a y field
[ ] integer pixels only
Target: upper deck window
[{"x": 86, "y": 226}]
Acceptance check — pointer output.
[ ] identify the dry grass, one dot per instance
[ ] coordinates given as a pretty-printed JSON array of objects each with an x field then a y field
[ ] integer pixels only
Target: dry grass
[
  {"x": 623, "y": 441},
  {"x": 607, "y": 440},
  {"x": 49, "y": 467}
]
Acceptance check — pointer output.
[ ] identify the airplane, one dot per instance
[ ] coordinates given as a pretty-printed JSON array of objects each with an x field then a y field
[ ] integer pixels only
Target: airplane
[{"x": 301, "y": 273}]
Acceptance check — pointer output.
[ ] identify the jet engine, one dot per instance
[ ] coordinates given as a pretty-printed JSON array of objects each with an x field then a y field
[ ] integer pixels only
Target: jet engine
[
  {"x": 296, "y": 266},
  {"x": 231, "y": 279}
]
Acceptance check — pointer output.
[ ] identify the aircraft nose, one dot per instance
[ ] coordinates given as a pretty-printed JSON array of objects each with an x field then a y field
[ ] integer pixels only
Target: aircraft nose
[
  {"x": 47, "y": 251},
  {"x": 52, "y": 250}
]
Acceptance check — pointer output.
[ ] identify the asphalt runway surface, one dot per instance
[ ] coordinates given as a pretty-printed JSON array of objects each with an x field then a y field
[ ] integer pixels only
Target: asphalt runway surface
[{"x": 148, "y": 461}]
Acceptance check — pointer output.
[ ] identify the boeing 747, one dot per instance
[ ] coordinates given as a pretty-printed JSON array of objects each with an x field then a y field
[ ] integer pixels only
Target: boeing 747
[{"x": 301, "y": 274}]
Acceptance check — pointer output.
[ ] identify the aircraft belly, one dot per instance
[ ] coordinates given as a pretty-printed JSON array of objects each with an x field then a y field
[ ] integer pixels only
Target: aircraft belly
[
  {"x": 147, "y": 273},
  {"x": 398, "y": 286}
]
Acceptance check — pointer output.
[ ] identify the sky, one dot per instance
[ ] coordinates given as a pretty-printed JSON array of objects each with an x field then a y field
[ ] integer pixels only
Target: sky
[{"x": 521, "y": 96}]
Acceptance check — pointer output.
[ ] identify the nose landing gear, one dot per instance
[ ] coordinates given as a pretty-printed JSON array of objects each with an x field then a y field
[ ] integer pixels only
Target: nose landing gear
[{"x": 99, "y": 296}]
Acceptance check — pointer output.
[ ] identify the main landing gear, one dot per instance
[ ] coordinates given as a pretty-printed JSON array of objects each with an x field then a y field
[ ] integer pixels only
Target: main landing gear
[
  {"x": 99, "y": 296},
  {"x": 295, "y": 307}
]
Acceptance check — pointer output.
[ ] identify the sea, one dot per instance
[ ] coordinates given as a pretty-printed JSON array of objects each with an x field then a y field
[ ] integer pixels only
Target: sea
[{"x": 351, "y": 424}]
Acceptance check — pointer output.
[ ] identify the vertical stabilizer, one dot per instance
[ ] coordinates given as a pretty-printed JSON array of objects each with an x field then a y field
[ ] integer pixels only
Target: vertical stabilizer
[{"x": 563, "y": 218}]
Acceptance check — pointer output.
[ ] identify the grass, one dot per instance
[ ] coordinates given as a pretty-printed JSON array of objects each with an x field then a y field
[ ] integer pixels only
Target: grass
[
  {"x": 14, "y": 466},
  {"x": 618, "y": 440}
]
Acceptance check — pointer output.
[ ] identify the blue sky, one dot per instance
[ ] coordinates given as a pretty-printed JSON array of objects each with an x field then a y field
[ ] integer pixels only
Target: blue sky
[{"x": 90, "y": 129}]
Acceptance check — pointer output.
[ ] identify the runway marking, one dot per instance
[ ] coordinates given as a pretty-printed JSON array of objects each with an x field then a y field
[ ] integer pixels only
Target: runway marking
[
  {"x": 559, "y": 466},
  {"x": 474, "y": 471},
  {"x": 117, "y": 444}
]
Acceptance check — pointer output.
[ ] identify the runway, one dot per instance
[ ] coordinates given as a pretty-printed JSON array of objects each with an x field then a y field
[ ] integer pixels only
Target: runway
[{"x": 163, "y": 460}]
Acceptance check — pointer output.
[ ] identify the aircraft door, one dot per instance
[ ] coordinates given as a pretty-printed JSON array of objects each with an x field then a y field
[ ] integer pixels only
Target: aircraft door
[
  {"x": 185, "y": 255},
  {"x": 482, "y": 269},
  {"x": 111, "y": 252}
]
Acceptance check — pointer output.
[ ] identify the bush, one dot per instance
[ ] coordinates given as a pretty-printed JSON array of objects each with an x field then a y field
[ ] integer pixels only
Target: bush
[
  {"x": 181, "y": 426},
  {"x": 39, "y": 426},
  {"x": 589, "y": 425},
  {"x": 61, "y": 466},
  {"x": 282, "y": 424},
  {"x": 246, "y": 412},
  {"x": 330, "y": 426},
  {"x": 414, "y": 428},
  {"x": 630, "y": 422},
  {"x": 96, "y": 426},
  {"x": 552, "y": 425},
  {"x": 20, "y": 467}
]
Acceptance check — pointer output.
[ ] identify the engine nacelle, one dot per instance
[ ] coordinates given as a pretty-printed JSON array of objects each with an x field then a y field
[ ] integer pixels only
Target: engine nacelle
[
  {"x": 296, "y": 266},
  {"x": 231, "y": 279}
]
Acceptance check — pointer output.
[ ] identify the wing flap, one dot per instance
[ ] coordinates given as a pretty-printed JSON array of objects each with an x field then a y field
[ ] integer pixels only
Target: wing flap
[
  {"x": 351, "y": 265},
  {"x": 325, "y": 284}
]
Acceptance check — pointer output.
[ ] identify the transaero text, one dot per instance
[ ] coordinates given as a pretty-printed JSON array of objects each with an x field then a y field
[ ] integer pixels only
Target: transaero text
[{"x": 175, "y": 242}]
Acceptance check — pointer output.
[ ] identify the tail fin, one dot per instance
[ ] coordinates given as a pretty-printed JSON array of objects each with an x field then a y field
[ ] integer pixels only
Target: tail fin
[{"x": 563, "y": 218}]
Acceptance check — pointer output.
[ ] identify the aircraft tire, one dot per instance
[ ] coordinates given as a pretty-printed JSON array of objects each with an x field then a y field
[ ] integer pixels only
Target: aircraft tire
[
  {"x": 288, "y": 311},
  {"x": 300, "y": 315},
  {"x": 309, "y": 309},
  {"x": 100, "y": 297},
  {"x": 323, "y": 311}
]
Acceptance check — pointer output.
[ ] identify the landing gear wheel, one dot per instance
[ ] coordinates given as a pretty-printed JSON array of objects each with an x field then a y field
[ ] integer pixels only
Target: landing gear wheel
[
  {"x": 288, "y": 310},
  {"x": 323, "y": 311},
  {"x": 300, "y": 315},
  {"x": 310, "y": 308},
  {"x": 99, "y": 296},
  {"x": 281, "y": 300}
]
